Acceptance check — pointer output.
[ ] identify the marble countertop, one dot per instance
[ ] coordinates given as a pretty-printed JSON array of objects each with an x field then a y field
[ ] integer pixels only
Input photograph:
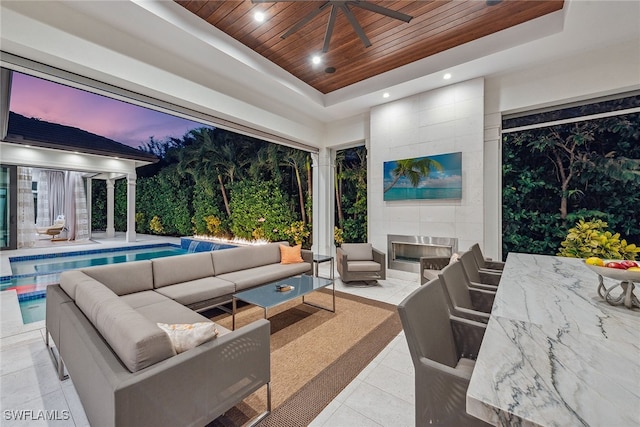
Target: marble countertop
[{"x": 555, "y": 353}]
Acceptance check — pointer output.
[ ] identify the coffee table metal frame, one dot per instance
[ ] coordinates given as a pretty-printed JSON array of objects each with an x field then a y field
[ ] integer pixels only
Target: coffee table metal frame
[{"x": 267, "y": 296}]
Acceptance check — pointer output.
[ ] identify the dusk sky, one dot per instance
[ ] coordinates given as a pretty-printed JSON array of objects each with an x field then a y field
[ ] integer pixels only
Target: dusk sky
[{"x": 113, "y": 119}]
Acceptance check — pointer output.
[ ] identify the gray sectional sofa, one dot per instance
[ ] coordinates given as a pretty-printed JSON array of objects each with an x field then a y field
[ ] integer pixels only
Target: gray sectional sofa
[{"x": 103, "y": 322}]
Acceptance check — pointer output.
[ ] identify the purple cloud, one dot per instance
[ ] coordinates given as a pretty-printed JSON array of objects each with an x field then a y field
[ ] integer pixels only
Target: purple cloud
[{"x": 123, "y": 122}]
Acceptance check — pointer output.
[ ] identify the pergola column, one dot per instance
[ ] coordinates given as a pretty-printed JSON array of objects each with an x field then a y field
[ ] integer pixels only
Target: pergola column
[
  {"x": 111, "y": 230},
  {"x": 323, "y": 202},
  {"x": 131, "y": 208}
]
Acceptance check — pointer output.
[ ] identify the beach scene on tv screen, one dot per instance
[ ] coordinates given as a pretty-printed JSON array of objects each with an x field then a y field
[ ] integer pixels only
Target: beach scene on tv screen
[{"x": 430, "y": 177}]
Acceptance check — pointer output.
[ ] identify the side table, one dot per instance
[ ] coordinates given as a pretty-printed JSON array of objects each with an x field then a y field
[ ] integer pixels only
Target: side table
[{"x": 319, "y": 259}]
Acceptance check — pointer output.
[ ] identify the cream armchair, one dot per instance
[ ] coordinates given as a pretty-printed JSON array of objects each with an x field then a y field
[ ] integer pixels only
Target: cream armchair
[
  {"x": 361, "y": 262},
  {"x": 53, "y": 230}
]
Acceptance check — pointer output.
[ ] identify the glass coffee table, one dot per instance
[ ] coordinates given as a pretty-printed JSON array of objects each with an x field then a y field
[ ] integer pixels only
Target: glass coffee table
[{"x": 268, "y": 296}]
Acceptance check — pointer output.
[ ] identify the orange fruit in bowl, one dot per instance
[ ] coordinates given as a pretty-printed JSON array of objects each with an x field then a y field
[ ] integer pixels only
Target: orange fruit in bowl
[
  {"x": 633, "y": 269},
  {"x": 594, "y": 260}
]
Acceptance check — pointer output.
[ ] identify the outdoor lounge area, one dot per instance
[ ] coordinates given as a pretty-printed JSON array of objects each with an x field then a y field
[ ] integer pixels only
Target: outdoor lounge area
[{"x": 352, "y": 343}]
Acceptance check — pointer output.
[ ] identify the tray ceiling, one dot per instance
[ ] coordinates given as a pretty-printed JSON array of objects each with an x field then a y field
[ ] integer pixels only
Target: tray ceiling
[{"x": 435, "y": 27}]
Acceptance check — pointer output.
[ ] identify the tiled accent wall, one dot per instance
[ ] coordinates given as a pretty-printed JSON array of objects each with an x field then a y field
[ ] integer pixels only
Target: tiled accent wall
[{"x": 444, "y": 120}]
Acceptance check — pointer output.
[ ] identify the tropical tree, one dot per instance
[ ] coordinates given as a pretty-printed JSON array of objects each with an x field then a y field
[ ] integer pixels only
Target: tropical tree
[
  {"x": 338, "y": 176},
  {"x": 217, "y": 154},
  {"x": 297, "y": 160},
  {"x": 571, "y": 149},
  {"x": 351, "y": 192},
  {"x": 413, "y": 169},
  {"x": 601, "y": 180}
]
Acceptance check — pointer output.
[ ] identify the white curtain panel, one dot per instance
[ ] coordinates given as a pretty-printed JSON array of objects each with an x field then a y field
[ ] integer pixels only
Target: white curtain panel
[
  {"x": 43, "y": 217},
  {"x": 69, "y": 205},
  {"x": 56, "y": 195},
  {"x": 80, "y": 207},
  {"x": 26, "y": 215}
]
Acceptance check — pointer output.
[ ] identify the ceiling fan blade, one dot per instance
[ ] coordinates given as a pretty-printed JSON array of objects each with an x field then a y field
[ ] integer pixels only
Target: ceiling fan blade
[
  {"x": 382, "y": 10},
  {"x": 304, "y": 20},
  {"x": 354, "y": 23},
  {"x": 329, "y": 32}
]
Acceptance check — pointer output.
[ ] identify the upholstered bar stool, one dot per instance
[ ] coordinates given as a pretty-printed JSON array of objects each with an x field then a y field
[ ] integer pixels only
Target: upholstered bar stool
[
  {"x": 483, "y": 262},
  {"x": 484, "y": 279},
  {"x": 443, "y": 350},
  {"x": 464, "y": 300}
]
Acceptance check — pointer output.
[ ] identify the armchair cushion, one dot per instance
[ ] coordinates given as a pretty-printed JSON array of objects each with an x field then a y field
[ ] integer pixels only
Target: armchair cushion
[
  {"x": 358, "y": 251},
  {"x": 363, "y": 266}
]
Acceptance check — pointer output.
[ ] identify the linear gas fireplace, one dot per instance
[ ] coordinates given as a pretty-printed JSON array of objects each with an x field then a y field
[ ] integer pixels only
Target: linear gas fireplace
[{"x": 404, "y": 252}]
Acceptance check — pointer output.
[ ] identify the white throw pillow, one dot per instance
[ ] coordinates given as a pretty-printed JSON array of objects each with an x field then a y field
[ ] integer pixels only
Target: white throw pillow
[{"x": 185, "y": 336}]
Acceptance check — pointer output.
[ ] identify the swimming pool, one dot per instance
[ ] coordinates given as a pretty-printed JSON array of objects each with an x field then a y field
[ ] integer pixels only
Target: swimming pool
[{"x": 32, "y": 274}]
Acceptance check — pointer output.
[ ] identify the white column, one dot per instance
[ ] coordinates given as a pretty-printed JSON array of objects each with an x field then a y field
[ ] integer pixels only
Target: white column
[
  {"x": 88, "y": 190},
  {"x": 131, "y": 208},
  {"x": 323, "y": 202},
  {"x": 111, "y": 231}
]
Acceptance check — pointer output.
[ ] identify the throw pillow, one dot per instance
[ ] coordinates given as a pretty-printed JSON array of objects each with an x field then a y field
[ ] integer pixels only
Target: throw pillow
[
  {"x": 291, "y": 254},
  {"x": 185, "y": 336}
]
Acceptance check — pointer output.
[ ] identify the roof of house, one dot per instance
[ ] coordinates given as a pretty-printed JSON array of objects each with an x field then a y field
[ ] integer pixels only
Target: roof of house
[{"x": 24, "y": 130}]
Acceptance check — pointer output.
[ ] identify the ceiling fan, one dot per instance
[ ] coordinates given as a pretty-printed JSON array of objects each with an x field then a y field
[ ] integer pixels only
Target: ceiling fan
[{"x": 345, "y": 7}]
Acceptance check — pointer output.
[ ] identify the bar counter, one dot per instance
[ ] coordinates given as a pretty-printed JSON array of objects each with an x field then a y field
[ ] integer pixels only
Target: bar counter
[{"x": 554, "y": 353}]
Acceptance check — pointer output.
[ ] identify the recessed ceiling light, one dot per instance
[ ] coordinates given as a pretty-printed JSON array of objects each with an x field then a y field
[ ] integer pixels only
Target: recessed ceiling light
[
  {"x": 316, "y": 59},
  {"x": 385, "y": 95},
  {"x": 259, "y": 16},
  {"x": 447, "y": 76}
]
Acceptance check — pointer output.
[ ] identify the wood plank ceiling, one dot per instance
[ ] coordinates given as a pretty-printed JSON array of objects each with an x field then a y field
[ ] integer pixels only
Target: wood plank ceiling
[{"x": 437, "y": 25}]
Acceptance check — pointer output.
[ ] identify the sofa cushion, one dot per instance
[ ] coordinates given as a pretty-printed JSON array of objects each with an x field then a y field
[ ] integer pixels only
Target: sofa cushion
[
  {"x": 124, "y": 278},
  {"x": 170, "y": 311},
  {"x": 182, "y": 268},
  {"x": 267, "y": 273},
  {"x": 137, "y": 341},
  {"x": 185, "y": 336},
  {"x": 358, "y": 251},
  {"x": 140, "y": 299},
  {"x": 71, "y": 279},
  {"x": 198, "y": 290},
  {"x": 290, "y": 254},
  {"x": 245, "y": 257},
  {"x": 357, "y": 266}
]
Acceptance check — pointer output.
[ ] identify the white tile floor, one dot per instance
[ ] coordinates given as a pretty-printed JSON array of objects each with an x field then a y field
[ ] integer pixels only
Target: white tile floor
[{"x": 381, "y": 395}]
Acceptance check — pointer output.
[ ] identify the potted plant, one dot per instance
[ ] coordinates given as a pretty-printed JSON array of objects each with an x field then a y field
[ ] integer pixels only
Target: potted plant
[{"x": 592, "y": 239}]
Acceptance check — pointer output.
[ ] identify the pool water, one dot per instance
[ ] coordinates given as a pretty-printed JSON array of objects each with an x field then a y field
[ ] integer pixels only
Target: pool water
[
  {"x": 70, "y": 261},
  {"x": 32, "y": 274},
  {"x": 33, "y": 310}
]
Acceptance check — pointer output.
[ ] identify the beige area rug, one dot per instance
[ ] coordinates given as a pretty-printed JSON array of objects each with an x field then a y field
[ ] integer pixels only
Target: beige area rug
[{"x": 315, "y": 354}]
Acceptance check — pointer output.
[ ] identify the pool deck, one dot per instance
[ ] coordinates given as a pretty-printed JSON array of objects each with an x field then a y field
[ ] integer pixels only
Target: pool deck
[{"x": 11, "y": 318}]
